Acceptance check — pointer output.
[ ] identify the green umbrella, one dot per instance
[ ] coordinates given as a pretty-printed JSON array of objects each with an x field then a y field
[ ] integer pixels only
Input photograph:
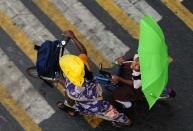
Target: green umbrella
[{"x": 153, "y": 59}]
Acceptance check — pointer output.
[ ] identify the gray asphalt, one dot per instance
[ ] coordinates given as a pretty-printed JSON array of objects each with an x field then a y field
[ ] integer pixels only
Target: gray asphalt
[
  {"x": 51, "y": 26},
  {"x": 59, "y": 120},
  {"x": 7, "y": 122}
]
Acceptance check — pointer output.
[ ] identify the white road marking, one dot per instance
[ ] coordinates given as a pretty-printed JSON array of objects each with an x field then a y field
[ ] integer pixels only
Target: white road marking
[
  {"x": 136, "y": 9},
  {"x": 92, "y": 28}
]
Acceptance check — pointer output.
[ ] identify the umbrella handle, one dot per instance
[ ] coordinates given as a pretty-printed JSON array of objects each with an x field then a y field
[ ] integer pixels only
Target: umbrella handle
[{"x": 125, "y": 62}]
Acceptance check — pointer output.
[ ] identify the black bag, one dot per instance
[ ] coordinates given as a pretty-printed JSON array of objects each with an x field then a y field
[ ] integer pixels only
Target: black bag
[{"x": 48, "y": 59}]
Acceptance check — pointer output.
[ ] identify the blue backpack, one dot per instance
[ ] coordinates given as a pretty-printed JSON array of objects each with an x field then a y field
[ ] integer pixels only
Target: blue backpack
[{"x": 48, "y": 59}]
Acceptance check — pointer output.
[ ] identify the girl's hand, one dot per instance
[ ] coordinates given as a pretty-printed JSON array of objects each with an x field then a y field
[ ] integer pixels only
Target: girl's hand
[
  {"x": 69, "y": 34},
  {"x": 120, "y": 60},
  {"x": 115, "y": 79}
]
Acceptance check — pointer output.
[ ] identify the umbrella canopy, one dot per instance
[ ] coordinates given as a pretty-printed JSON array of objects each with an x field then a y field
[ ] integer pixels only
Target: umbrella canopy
[{"x": 153, "y": 59}]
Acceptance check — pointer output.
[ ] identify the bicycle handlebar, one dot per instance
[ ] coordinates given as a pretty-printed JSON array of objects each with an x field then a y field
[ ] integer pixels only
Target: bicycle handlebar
[{"x": 64, "y": 43}]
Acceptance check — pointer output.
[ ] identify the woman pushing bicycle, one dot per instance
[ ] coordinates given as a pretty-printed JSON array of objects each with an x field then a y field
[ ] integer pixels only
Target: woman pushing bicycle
[{"x": 83, "y": 92}]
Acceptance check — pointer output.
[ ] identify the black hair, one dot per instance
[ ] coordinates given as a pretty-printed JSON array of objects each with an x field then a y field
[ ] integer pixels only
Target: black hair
[{"x": 88, "y": 74}]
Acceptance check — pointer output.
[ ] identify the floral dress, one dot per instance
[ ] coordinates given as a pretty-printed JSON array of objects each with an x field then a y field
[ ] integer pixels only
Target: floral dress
[{"x": 89, "y": 101}]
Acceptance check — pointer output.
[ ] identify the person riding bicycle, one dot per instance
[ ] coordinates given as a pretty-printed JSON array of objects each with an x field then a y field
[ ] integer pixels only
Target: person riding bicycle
[
  {"x": 136, "y": 76},
  {"x": 130, "y": 76},
  {"x": 129, "y": 81},
  {"x": 84, "y": 93}
]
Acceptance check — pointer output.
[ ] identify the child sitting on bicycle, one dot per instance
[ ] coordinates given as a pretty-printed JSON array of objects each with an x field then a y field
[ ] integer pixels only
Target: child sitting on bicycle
[
  {"x": 130, "y": 76},
  {"x": 84, "y": 94},
  {"x": 129, "y": 81},
  {"x": 136, "y": 76}
]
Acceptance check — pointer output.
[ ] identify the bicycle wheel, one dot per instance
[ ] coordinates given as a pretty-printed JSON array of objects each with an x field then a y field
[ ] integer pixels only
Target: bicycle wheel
[{"x": 31, "y": 71}]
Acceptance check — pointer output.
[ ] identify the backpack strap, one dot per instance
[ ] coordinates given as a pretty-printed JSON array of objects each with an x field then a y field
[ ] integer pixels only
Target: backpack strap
[{"x": 63, "y": 45}]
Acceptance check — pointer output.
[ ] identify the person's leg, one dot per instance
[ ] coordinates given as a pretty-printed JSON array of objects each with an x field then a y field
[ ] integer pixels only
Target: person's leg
[
  {"x": 124, "y": 93},
  {"x": 170, "y": 90},
  {"x": 113, "y": 115},
  {"x": 67, "y": 105},
  {"x": 67, "y": 108},
  {"x": 126, "y": 104}
]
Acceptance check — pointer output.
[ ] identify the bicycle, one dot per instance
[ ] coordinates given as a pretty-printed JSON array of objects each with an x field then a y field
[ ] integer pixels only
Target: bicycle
[
  {"x": 106, "y": 82},
  {"x": 32, "y": 71},
  {"x": 104, "y": 78}
]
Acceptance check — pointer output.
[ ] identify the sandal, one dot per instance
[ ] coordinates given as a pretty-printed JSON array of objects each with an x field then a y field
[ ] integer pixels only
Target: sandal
[
  {"x": 122, "y": 125},
  {"x": 70, "y": 111}
]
